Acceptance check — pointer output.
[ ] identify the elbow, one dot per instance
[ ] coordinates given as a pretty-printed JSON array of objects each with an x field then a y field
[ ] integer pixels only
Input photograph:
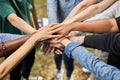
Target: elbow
[
  {"x": 114, "y": 29},
  {"x": 114, "y": 26},
  {"x": 12, "y": 18}
]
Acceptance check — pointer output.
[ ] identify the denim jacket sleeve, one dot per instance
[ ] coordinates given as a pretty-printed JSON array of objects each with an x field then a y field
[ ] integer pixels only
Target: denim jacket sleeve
[
  {"x": 52, "y": 9},
  {"x": 88, "y": 60}
]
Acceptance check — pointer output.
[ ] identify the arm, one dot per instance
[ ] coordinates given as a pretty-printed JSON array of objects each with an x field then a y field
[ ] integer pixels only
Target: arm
[
  {"x": 99, "y": 26},
  {"x": 20, "y": 23},
  {"x": 79, "y": 8},
  {"x": 92, "y": 11},
  {"x": 52, "y": 9},
  {"x": 13, "y": 45},
  {"x": 42, "y": 34},
  {"x": 88, "y": 60}
]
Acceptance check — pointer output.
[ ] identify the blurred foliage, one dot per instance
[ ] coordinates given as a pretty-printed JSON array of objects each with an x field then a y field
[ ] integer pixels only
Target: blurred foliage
[{"x": 40, "y": 6}]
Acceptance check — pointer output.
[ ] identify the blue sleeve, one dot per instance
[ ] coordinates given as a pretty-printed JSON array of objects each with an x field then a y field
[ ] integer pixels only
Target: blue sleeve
[
  {"x": 52, "y": 9},
  {"x": 7, "y": 37},
  {"x": 118, "y": 22},
  {"x": 88, "y": 60}
]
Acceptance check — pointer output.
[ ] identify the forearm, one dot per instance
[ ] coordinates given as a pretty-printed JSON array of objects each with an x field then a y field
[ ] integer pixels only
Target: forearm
[
  {"x": 92, "y": 10},
  {"x": 88, "y": 60},
  {"x": 101, "y": 26},
  {"x": 20, "y": 23},
  {"x": 13, "y": 45},
  {"x": 78, "y": 9},
  {"x": 18, "y": 55}
]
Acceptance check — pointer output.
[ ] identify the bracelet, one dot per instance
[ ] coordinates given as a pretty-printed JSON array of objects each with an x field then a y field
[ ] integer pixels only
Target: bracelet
[
  {"x": 62, "y": 40},
  {"x": 4, "y": 50}
]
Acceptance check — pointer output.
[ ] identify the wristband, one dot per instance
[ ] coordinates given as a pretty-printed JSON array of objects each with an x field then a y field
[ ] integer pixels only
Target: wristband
[{"x": 4, "y": 50}]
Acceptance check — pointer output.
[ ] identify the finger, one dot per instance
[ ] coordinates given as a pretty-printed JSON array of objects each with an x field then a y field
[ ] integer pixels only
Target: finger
[
  {"x": 52, "y": 51},
  {"x": 57, "y": 30},
  {"x": 45, "y": 49},
  {"x": 55, "y": 36},
  {"x": 59, "y": 51},
  {"x": 55, "y": 26},
  {"x": 52, "y": 24},
  {"x": 48, "y": 51}
]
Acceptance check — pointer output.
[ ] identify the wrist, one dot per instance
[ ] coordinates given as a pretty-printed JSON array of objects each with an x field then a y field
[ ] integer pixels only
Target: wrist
[{"x": 64, "y": 41}]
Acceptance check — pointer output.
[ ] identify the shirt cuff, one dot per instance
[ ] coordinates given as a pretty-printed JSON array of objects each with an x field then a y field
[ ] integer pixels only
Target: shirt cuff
[
  {"x": 118, "y": 22},
  {"x": 70, "y": 47}
]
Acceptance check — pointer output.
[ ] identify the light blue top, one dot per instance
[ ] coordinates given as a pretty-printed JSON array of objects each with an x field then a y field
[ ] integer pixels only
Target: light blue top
[
  {"x": 7, "y": 37},
  {"x": 88, "y": 60},
  {"x": 58, "y": 10}
]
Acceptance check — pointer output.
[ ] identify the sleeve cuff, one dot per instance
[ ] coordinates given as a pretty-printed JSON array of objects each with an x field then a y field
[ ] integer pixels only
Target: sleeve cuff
[
  {"x": 70, "y": 47},
  {"x": 118, "y": 22}
]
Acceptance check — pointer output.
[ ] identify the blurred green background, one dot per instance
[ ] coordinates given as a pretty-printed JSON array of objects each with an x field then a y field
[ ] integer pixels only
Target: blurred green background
[{"x": 40, "y": 6}]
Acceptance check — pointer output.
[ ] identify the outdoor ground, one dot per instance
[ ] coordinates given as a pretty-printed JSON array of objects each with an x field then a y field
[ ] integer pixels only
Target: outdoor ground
[{"x": 44, "y": 65}]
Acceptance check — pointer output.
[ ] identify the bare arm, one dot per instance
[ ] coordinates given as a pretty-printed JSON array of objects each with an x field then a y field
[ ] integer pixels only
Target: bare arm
[
  {"x": 92, "y": 11},
  {"x": 20, "y": 23},
  {"x": 99, "y": 26},
  {"x": 79, "y": 8},
  {"x": 42, "y": 34},
  {"x": 13, "y": 45}
]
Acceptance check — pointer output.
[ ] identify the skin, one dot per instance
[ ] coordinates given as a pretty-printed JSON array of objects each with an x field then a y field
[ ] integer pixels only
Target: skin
[
  {"x": 42, "y": 34},
  {"x": 20, "y": 23},
  {"x": 84, "y": 10},
  {"x": 98, "y": 26},
  {"x": 13, "y": 45},
  {"x": 87, "y": 9}
]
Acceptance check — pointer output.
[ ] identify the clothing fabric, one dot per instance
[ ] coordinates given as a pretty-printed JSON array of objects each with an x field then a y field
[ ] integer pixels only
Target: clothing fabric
[
  {"x": 22, "y": 9},
  {"x": 57, "y": 11},
  {"x": 112, "y": 12},
  {"x": 7, "y": 37},
  {"x": 107, "y": 42},
  {"x": 88, "y": 60}
]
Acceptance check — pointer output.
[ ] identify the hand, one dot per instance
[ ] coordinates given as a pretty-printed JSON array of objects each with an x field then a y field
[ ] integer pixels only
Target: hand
[
  {"x": 46, "y": 32},
  {"x": 79, "y": 39},
  {"x": 47, "y": 50},
  {"x": 63, "y": 29},
  {"x": 54, "y": 43}
]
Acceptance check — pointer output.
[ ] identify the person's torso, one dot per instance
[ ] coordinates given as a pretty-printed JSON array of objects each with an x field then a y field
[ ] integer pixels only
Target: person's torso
[{"x": 22, "y": 10}]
